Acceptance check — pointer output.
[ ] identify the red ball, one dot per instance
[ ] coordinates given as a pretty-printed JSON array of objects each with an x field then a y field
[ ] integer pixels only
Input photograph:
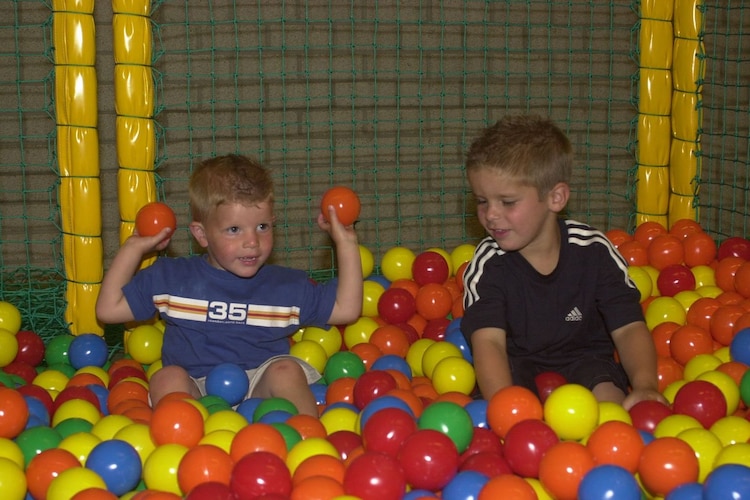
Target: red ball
[
  {"x": 375, "y": 475},
  {"x": 546, "y": 382},
  {"x": 345, "y": 442},
  {"x": 429, "y": 458},
  {"x": 371, "y": 385},
  {"x": 734, "y": 246},
  {"x": 75, "y": 392},
  {"x": 212, "y": 490},
  {"x": 701, "y": 400},
  {"x": 344, "y": 201},
  {"x": 525, "y": 445},
  {"x": 489, "y": 463},
  {"x": 22, "y": 369},
  {"x": 153, "y": 217},
  {"x": 430, "y": 267},
  {"x": 396, "y": 305},
  {"x": 259, "y": 474},
  {"x": 483, "y": 439},
  {"x": 387, "y": 429},
  {"x": 30, "y": 347},
  {"x": 675, "y": 278},
  {"x": 645, "y": 415},
  {"x": 435, "y": 328}
]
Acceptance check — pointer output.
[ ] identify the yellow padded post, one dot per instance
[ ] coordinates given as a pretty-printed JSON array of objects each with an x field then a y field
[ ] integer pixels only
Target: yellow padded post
[{"x": 78, "y": 158}]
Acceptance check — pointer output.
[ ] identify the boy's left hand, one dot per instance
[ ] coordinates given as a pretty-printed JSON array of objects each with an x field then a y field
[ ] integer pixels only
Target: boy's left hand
[{"x": 333, "y": 227}]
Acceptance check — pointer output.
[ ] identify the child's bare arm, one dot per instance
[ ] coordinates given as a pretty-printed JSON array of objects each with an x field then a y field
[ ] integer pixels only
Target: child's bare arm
[
  {"x": 637, "y": 353},
  {"x": 111, "y": 306},
  {"x": 348, "y": 307},
  {"x": 491, "y": 364}
]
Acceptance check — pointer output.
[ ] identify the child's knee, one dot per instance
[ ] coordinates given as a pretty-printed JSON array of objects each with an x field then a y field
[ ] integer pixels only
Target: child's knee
[{"x": 285, "y": 369}]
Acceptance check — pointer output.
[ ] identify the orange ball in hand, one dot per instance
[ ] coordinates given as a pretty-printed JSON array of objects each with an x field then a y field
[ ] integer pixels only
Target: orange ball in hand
[
  {"x": 345, "y": 201},
  {"x": 153, "y": 217}
]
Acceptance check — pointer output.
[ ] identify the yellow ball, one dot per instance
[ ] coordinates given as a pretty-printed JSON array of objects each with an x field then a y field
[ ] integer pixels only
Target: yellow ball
[
  {"x": 367, "y": 261},
  {"x": 415, "y": 354},
  {"x": 109, "y": 425},
  {"x": 654, "y": 274},
  {"x": 436, "y": 353},
  {"x": 52, "y": 380},
  {"x": 160, "y": 469},
  {"x": 310, "y": 352},
  {"x": 737, "y": 453},
  {"x": 371, "y": 292},
  {"x": 9, "y": 449},
  {"x": 670, "y": 391},
  {"x": 642, "y": 281},
  {"x": 360, "y": 331},
  {"x": 225, "y": 420},
  {"x": 76, "y": 408},
  {"x": 80, "y": 445},
  {"x": 671, "y": 425},
  {"x": 462, "y": 253},
  {"x": 396, "y": 263},
  {"x": 704, "y": 276},
  {"x": 307, "y": 448},
  {"x": 139, "y": 437},
  {"x": 609, "y": 410},
  {"x": 144, "y": 343},
  {"x": 686, "y": 298},
  {"x": 572, "y": 411},
  {"x": 72, "y": 481},
  {"x": 732, "y": 429},
  {"x": 12, "y": 480},
  {"x": 97, "y": 371},
  {"x": 8, "y": 347},
  {"x": 10, "y": 317},
  {"x": 726, "y": 385},
  {"x": 709, "y": 291},
  {"x": 330, "y": 340},
  {"x": 699, "y": 364},
  {"x": 221, "y": 438},
  {"x": 706, "y": 447},
  {"x": 454, "y": 374},
  {"x": 663, "y": 309},
  {"x": 339, "y": 419}
]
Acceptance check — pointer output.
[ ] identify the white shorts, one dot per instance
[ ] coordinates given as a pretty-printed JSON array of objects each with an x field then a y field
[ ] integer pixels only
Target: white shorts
[{"x": 255, "y": 374}]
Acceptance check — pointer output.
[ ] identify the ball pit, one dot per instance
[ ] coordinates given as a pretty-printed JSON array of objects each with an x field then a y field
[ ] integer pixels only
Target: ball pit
[{"x": 398, "y": 412}]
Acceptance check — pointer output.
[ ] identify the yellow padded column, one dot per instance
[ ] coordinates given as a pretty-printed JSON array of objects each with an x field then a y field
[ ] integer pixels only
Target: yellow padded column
[{"x": 78, "y": 158}]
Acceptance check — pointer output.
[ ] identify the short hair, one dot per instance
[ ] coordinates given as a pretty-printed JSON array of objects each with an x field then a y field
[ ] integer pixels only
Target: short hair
[
  {"x": 228, "y": 179},
  {"x": 528, "y": 147}
]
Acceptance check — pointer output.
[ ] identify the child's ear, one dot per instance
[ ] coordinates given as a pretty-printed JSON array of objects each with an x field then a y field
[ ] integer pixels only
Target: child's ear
[
  {"x": 196, "y": 229},
  {"x": 558, "y": 196}
]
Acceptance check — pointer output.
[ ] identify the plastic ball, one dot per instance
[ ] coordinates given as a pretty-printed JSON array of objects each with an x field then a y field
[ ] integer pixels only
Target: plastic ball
[
  {"x": 385, "y": 430},
  {"x": 510, "y": 405},
  {"x": 706, "y": 447},
  {"x": 608, "y": 481},
  {"x": 14, "y": 413},
  {"x": 258, "y": 437},
  {"x": 330, "y": 340},
  {"x": 228, "y": 381},
  {"x": 450, "y": 419},
  {"x": 117, "y": 463},
  {"x": 572, "y": 411},
  {"x": 663, "y": 309},
  {"x": 465, "y": 485},
  {"x": 176, "y": 421},
  {"x": 46, "y": 466},
  {"x": 687, "y": 341},
  {"x": 726, "y": 384},
  {"x": 665, "y": 250},
  {"x": 152, "y": 217},
  {"x": 375, "y": 475},
  {"x": 739, "y": 348},
  {"x": 396, "y": 263},
  {"x": 343, "y": 418},
  {"x": 371, "y": 385},
  {"x": 88, "y": 349},
  {"x": 454, "y": 374},
  {"x": 307, "y": 448},
  {"x": 666, "y": 463},
  {"x": 12, "y": 480},
  {"x": 430, "y": 267},
  {"x": 367, "y": 261},
  {"x": 701, "y": 400},
  {"x": 647, "y": 414},
  {"x": 345, "y": 202},
  {"x": 57, "y": 350},
  {"x": 415, "y": 355},
  {"x": 734, "y": 246},
  {"x": 30, "y": 347},
  {"x": 642, "y": 281},
  {"x": 144, "y": 343},
  {"x": 371, "y": 293},
  {"x": 396, "y": 305},
  {"x": 72, "y": 481},
  {"x": 343, "y": 364},
  {"x": 433, "y": 301},
  {"x": 728, "y": 481},
  {"x": 508, "y": 486},
  {"x": 675, "y": 278},
  {"x": 211, "y": 490},
  {"x": 10, "y": 317},
  {"x": 359, "y": 331},
  {"x": 310, "y": 352},
  {"x": 202, "y": 464},
  {"x": 139, "y": 437},
  {"x": 616, "y": 443},
  {"x": 8, "y": 347},
  {"x": 525, "y": 445},
  {"x": 161, "y": 467},
  {"x": 387, "y": 401},
  {"x": 429, "y": 459},
  {"x": 437, "y": 352},
  {"x": 563, "y": 468}
]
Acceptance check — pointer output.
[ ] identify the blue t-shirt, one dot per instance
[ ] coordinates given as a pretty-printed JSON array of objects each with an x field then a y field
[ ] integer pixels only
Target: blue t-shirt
[{"x": 213, "y": 316}]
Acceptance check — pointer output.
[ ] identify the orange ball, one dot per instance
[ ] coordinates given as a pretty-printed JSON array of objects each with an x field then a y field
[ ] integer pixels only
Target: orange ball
[
  {"x": 661, "y": 335},
  {"x": 176, "y": 421},
  {"x": 202, "y": 464},
  {"x": 683, "y": 228},
  {"x": 510, "y": 405},
  {"x": 725, "y": 272},
  {"x": 46, "y": 466},
  {"x": 153, "y": 217},
  {"x": 341, "y": 390},
  {"x": 345, "y": 202},
  {"x": 742, "y": 279},
  {"x": 433, "y": 301},
  {"x": 367, "y": 352},
  {"x": 616, "y": 443},
  {"x": 320, "y": 465},
  {"x": 699, "y": 249},
  {"x": 647, "y": 231},
  {"x": 94, "y": 494},
  {"x": 618, "y": 236},
  {"x": 258, "y": 436},
  {"x": 317, "y": 488},
  {"x": 700, "y": 312},
  {"x": 665, "y": 250},
  {"x": 14, "y": 413},
  {"x": 507, "y": 486},
  {"x": 666, "y": 463},
  {"x": 390, "y": 339},
  {"x": 563, "y": 467},
  {"x": 307, "y": 426},
  {"x": 688, "y": 341},
  {"x": 667, "y": 371},
  {"x": 723, "y": 321},
  {"x": 634, "y": 252}
]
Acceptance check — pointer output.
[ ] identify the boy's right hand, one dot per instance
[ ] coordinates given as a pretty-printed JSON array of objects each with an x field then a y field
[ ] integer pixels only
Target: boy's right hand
[{"x": 148, "y": 244}]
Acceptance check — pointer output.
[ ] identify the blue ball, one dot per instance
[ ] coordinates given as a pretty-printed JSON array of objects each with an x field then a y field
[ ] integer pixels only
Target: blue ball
[
  {"x": 610, "y": 482},
  {"x": 477, "y": 410},
  {"x": 319, "y": 391},
  {"x": 275, "y": 417},
  {"x": 228, "y": 381},
  {"x": 88, "y": 349},
  {"x": 37, "y": 409},
  {"x": 727, "y": 481},
  {"x": 417, "y": 494},
  {"x": 392, "y": 362},
  {"x": 247, "y": 408},
  {"x": 102, "y": 394},
  {"x": 117, "y": 463},
  {"x": 739, "y": 348},
  {"x": 457, "y": 338},
  {"x": 465, "y": 485},
  {"x": 686, "y": 491},
  {"x": 377, "y": 404}
]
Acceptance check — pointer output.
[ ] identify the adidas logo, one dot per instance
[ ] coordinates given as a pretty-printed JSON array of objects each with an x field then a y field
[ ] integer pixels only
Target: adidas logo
[{"x": 574, "y": 315}]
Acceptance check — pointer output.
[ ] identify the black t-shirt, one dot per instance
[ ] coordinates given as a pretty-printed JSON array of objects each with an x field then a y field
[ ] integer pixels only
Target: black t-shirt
[{"x": 552, "y": 320}]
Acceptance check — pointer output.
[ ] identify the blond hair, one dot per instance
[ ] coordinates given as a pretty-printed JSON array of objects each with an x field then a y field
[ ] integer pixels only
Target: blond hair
[
  {"x": 228, "y": 179},
  {"x": 529, "y": 148}
]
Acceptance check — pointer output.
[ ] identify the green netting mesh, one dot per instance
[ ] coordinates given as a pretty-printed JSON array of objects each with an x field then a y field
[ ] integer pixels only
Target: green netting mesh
[{"x": 384, "y": 98}]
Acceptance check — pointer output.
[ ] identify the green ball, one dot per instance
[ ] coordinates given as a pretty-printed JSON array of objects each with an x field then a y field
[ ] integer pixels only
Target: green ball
[
  {"x": 291, "y": 435},
  {"x": 745, "y": 388},
  {"x": 35, "y": 440},
  {"x": 273, "y": 404},
  {"x": 56, "y": 351},
  {"x": 343, "y": 364},
  {"x": 451, "y": 419}
]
